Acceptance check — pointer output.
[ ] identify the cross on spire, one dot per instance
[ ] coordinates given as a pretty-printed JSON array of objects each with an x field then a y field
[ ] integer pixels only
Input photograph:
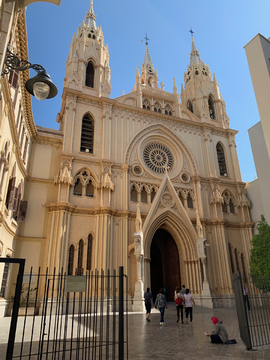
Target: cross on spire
[
  {"x": 191, "y": 32},
  {"x": 146, "y": 39}
]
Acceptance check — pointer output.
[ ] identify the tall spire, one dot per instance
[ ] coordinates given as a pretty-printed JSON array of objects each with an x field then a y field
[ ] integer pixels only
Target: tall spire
[
  {"x": 194, "y": 55},
  {"x": 90, "y": 18},
  {"x": 148, "y": 63}
]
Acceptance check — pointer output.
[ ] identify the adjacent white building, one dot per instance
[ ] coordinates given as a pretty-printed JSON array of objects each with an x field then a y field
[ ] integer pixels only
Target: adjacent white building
[{"x": 258, "y": 56}]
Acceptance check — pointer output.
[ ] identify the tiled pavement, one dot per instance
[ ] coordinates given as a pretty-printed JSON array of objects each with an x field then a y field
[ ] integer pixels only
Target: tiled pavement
[
  {"x": 173, "y": 341},
  {"x": 187, "y": 341}
]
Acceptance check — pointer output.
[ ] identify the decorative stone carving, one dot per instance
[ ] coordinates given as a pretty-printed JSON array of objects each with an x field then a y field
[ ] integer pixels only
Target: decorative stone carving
[
  {"x": 64, "y": 175},
  {"x": 216, "y": 197},
  {"x": 106, "y": 181},
  {"x": 199, "y": 225},
  {"x": 167, "y": 200},
  {"x": 138, "y": 220}
]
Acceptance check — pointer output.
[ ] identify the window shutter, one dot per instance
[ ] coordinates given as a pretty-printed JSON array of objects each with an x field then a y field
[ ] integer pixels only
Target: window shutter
[
  {"x": 22, "y": 212},
  {"x": 10, "y": 193},
  {"x": 17, "y": 209},
  {"x": 15, "y": 79},
  {"x": 13, "y": 205}
]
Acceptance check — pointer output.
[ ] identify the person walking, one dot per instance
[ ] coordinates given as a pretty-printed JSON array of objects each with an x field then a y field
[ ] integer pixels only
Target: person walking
[
  {"x": 183, "y": 291},
  {"x": 179, "y": 304},
  {"x": 219, "y": 335},
  {"x": 148, "y": 298},
  {"x": 161, "y": 304},
  {"x": 189, "y": 303}
]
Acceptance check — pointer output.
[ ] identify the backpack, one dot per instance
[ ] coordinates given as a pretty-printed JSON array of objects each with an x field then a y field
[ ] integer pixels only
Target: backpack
[
  {"x": 178, "y": 300},
  {"x": 160, "y": 300}
]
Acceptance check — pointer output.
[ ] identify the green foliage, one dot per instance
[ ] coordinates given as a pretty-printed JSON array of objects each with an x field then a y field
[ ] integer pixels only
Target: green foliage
[{"x": 260, "y": 256}]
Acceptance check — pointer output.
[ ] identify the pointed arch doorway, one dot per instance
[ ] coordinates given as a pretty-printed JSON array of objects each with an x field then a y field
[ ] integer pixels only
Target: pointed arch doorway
[{"x": 164, "y": 264}]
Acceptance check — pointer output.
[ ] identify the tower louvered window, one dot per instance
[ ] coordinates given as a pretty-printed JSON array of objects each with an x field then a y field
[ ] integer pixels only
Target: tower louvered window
[
  {"x": 221, "y": 160},
  {"x": 190, "y": 106},
  {"x": 90, "y": 73},
  {"x": 211, "y": 108},
  {"x": 87, "y": 137}
]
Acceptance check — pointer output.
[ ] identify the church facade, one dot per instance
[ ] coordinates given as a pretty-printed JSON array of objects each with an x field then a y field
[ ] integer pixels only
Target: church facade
[{"x": 144, "y": 181}]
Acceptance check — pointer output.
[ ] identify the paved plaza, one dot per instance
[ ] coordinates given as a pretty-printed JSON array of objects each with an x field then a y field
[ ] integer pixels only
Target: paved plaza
[
  {"x": 172, "y": 340},
  {"x": 187, "y": 341}
]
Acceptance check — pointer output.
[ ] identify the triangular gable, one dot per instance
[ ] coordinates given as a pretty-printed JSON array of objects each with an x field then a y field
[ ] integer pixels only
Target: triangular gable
[
  {"x": 91, "y": 52},
  {"x": 167, "y": 199}
]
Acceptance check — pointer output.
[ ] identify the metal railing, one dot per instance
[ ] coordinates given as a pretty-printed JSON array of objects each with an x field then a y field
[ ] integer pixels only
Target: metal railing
[
  {"x": 252, "y": 295},
  {"x": 73, "y": 317}
]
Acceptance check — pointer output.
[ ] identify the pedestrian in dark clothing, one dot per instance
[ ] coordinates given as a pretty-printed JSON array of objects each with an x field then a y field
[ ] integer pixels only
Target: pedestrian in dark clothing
[
  {"x": 161, "y": 304},
  {"x": 148, "y": 298}
]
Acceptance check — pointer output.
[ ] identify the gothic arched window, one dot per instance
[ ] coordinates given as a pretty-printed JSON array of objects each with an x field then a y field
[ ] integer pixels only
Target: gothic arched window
[
  {"x": 231, "y": 205},
  {"x": 78, "y": 187},
  {"x": 146, "y": 104},
  {"x": 89, "y": 252},
  {"x": 189, "y": 202},
  {"x": 224, "y": 207},
  {"x": 168, "y": 110},
  {"x": 89, "y": 191},
  {"x": 133, "y": 194},
  {"x": 87, "y": 136},
  {"x": 211, "y": 107},
  {"x": 221, "y": 160},
  {"x": 90, "y": 73},
  {"x": 143, "y": 196},
  {"x": 71, "y": 259},
  {"x": 190, "y": 106},
  {"x": 243, "y": 266},
  {"x": 80, "y": 258},
  {"x": 157, "y": 107},
  {"x": 153, "y": 193}
]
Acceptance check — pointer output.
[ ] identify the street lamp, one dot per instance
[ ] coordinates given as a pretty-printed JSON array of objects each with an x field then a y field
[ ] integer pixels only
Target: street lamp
[{"x": 41, "y": 85}]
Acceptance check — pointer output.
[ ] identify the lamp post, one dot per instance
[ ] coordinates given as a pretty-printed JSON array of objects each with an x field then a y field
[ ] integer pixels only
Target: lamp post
[{"x": 41, "y": 85}]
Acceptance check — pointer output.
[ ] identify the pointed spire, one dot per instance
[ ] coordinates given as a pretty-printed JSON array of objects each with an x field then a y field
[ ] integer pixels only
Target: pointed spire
[
  {"x": 174, "y": 86},
  {"x": 90, "y": 18},
  {"x": 148, "y": 63},
  {"x": 194, "y": 55}
]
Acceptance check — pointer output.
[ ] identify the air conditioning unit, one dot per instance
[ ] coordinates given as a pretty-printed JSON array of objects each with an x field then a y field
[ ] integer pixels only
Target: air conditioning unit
[{"x": 87, "y": 150}]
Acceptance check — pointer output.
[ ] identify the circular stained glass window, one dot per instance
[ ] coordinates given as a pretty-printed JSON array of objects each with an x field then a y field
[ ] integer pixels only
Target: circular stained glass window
[{"x": 158, "y": 157}]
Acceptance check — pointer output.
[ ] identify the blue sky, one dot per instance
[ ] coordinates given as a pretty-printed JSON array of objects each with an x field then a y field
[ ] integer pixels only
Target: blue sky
[{"x": 221, "y": 29}]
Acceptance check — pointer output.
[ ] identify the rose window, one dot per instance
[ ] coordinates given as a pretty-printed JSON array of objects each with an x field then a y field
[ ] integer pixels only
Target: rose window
[{"x": 158, "y": 158}]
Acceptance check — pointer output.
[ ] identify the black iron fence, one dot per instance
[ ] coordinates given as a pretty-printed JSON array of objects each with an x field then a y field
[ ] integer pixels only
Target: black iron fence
[
  {"x": 252, "y": 295},
  {"x": 73, "y": 317}
]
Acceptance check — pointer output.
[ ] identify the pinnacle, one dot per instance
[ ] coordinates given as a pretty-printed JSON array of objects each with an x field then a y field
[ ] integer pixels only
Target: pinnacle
[{"x": 194, "y": 55}]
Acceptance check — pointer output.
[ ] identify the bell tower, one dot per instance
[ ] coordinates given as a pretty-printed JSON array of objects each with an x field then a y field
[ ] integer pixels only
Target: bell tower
[
  {"x": 87, "y": 68},
  {"x": 201, "y": 94}
]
